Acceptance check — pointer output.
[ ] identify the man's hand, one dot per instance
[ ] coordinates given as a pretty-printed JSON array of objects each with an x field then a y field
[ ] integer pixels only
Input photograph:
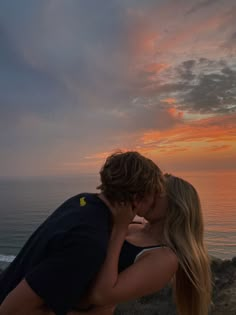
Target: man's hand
[{"x": 123, "y": 214}]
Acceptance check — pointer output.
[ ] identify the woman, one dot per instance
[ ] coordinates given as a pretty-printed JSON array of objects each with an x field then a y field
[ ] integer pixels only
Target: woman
[{"x": 169, "y": 247}]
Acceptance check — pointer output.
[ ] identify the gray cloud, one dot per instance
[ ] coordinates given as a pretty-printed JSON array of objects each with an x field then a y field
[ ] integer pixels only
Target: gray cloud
[
  {"x": 68, "y": 75},
  {"x": 230, "y": 44},
  {"x": 201, "y": 86},
  {"x": 23, "y": 88},
  {"x": 233, "y": 37},
  {"x": 186, "y": 70},
  {"x": 74, "y": 59},
  {"x": 202, "y": 5},
  {"x": 213, "y": 92},
  {"x": 57, "y": 56}
]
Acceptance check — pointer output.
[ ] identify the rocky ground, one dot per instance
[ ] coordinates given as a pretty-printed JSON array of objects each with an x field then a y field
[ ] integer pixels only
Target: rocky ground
[{"x": 224, "y": 295}]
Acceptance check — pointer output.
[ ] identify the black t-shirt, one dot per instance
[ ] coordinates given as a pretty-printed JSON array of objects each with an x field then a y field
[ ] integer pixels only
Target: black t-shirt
[{"x": 64, "y": 254}]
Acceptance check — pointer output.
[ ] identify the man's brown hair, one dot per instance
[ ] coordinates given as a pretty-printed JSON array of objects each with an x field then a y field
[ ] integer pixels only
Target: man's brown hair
[{"x": 128, "y": 175}]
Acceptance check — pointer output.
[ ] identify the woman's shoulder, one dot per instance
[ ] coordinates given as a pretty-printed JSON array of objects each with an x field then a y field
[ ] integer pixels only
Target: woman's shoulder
[
  {"x": 163, "y": 253},
  {"x": 168, "y": 256},
  {"x": 168, "y": 253}
]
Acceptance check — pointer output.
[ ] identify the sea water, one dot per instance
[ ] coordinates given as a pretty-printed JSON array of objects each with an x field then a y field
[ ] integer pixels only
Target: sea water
[{"x": 26, "y": 202}]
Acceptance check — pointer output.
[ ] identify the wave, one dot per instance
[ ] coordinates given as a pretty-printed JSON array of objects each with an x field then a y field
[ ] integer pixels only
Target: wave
[{"x": 7, "y": 258}]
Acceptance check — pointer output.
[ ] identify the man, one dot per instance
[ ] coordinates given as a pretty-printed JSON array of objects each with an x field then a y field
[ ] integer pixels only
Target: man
[{"x": 61, "y": 258}]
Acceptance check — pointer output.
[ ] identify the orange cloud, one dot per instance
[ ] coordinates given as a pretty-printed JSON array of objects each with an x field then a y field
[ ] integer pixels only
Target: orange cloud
[
  {"x": 187, "y": 135},
  {"x": 143, "y": 41},
  {"x": 196, "y": 135},
  {"x": 150, "y": 33},
  {"x": 142, "y": 35},
  {"x": 169, "y": 101},
  {"x": 175, "y": 113},
  {"x": 204, "y": 144},
  {"x": 156, "y": 67},
  {"x": 223, "y": 147},
  {"x": 186, "y": 33}
]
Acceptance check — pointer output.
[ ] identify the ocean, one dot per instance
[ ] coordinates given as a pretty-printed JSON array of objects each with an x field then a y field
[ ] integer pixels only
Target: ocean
[{"x": 26, "y": 202}]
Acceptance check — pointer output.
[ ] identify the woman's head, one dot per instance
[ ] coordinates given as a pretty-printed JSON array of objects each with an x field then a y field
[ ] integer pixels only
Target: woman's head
[
  {"x": 179, "y": 203},
  {"x": 130, "y": 177},
  {"x": 184, "y": 208}
]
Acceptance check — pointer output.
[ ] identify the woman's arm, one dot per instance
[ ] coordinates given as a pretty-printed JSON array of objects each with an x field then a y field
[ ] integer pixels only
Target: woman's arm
[{"x": 151, "y": 272}]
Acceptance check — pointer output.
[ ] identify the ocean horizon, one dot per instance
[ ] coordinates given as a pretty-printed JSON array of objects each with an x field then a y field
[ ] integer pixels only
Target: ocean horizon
[{"x": 27, "y": 202}]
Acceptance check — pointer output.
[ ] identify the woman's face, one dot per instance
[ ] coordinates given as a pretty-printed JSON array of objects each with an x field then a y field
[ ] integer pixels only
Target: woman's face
[
  {"x": 143, "y": 206},
  {"x": 158, "y": 210}
]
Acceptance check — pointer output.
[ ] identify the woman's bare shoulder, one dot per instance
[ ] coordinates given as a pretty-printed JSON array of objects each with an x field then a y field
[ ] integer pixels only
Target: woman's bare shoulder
[
  {"x": 163, "y": 253},
  {"x": 168, "y": 253}
]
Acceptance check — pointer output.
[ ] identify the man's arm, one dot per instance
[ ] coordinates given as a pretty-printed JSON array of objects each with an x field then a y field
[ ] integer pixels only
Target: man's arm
[
  {"x": 57, "y": 282},
  {"x": 23, "y": 300}
]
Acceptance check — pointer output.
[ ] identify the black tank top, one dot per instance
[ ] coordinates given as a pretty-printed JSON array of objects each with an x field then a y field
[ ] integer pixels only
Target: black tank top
[{"x": 129, "y": 253}]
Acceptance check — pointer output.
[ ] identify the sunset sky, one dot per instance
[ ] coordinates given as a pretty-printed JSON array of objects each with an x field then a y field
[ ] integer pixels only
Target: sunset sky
[{"x": 80, "y": 79}]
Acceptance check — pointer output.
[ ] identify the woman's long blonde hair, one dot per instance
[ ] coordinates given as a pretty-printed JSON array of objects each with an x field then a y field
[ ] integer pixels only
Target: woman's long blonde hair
[{"x": 184, "y": 232}]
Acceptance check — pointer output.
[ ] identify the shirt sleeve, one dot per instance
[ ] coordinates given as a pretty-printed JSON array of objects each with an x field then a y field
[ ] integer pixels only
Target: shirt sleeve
[{"x": 64, "y": 276}]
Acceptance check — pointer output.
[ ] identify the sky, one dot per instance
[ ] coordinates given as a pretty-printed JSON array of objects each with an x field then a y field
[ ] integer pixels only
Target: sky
[{"x": 82, "y": 79}]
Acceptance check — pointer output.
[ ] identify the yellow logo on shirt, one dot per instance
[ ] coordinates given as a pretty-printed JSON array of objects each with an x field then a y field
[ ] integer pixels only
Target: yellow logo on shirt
[{"x": 82, "y": 201}]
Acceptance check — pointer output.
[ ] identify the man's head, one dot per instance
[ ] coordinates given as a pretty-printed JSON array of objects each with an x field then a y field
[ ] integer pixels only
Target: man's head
[{"x": 131, "y": 178}]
